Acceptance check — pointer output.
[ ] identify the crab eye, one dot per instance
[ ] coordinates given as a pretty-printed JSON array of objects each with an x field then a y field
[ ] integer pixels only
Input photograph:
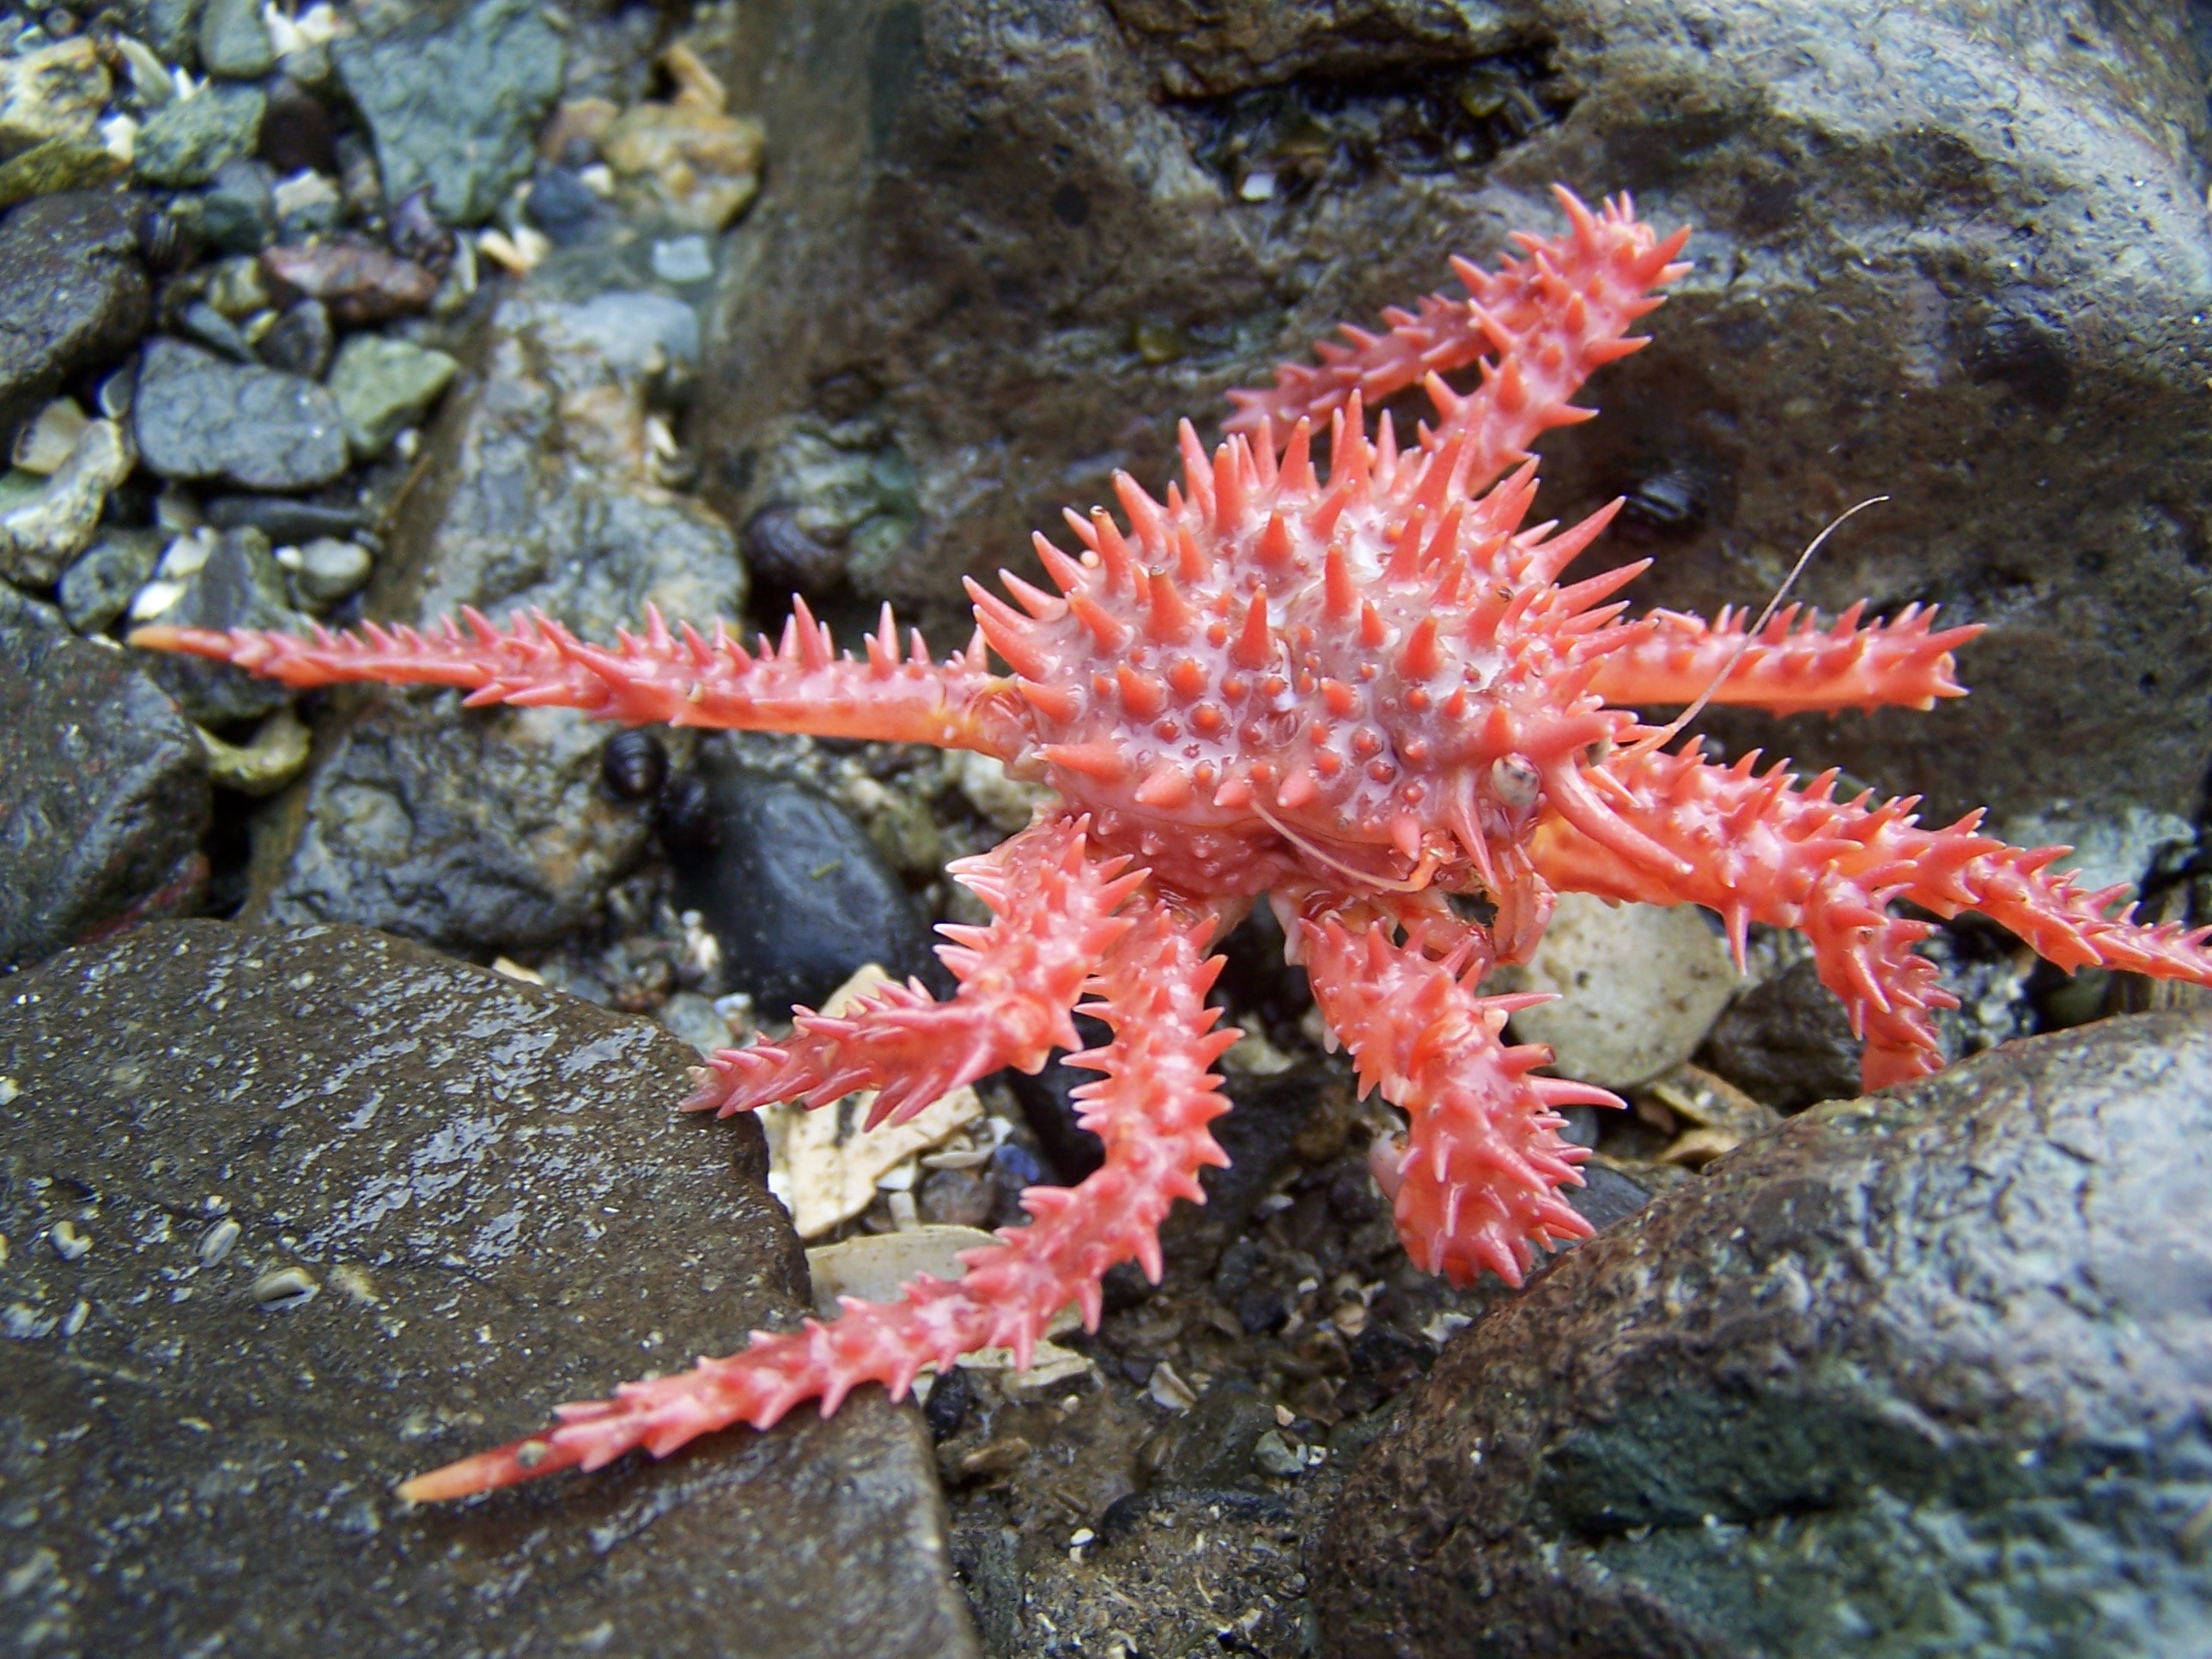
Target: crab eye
[{"x": 1514, "y": 780}]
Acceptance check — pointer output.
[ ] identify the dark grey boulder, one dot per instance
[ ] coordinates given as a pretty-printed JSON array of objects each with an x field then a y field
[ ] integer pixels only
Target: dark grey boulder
[
  {"x": 796, "y": 892},
  {"x": 489, "y": 829},
  {"x": 295, "y": 1214},
  {"x": 196, "y": 417},
  {"x": 1957, "y": 263},
  {"x": 103, "y": 789},
  {"x": 1920, "y": 1373},
  {"x": 467, "y": 149},
  {"x": 1787, "y": 1041},
  {"x": 76, "y": 294}
]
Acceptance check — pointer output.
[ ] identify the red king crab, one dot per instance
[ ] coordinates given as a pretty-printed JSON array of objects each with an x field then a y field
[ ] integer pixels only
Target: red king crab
[{"x": 1357, "y": 693}]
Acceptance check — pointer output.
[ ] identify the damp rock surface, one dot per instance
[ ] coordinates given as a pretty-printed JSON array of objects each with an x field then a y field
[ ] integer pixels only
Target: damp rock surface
[
  {"x": 295, "y": 1214},
  {"x": 106, "y": 794},
  {"x": 197, "y": 416},
  {"x": 1921, "y": 1372},
  {"x": 467, "y": 151},
  {"x": 76, "y": 294}
]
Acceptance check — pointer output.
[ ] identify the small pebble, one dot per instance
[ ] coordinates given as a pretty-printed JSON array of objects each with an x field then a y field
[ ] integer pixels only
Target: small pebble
[
  {"x": 78, "y": 1316},
  {"x": 682, "y": 260},
  {"x": 1273, "y": 1455},
  {"x": 327, "y": 570},
  {"x": 1169, "y": 1389},
  {"x": 218, "y": 1241},
  {"x": 69, "y": 1243},
  {"x": 203, "y": 323},
  {"x": 285, "y": 1288},
  {"x": 301, "y": 342},
  {"x": 562, "y": 206},
  {"x": 44, "y": 445}
]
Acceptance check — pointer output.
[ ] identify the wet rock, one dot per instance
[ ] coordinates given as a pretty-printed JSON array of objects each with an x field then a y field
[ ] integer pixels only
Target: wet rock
[
  {"x": 564, "y": 207},
  {"x": 1212, "y": 1446},
  {"x": 326, "y": 570},
  {"x": 186, "y": 142},
  {"x": 196, "y": 417},
  {"x": 39, "y": 537},
  {"x": 696, "y": 167},
  {"x": 382, "y": 385},
  {"x": 301, "y": 342},
  {"x": 682, "y": 260},
  {"x": 489, "y": 829},
  {"x": 238, "y": 214},
  {"x": 1922, "y": 1370},
  {"x": 54, "y": 92},
  {"x": 209, "y": 327},
  {"x": 169, "y": 26},
  {"x": 692, "y": 1018},
  {"x": 497, "y": 1126},
  {"x": 469, "y": 153},
  {"x": 60, "y": 164},
  {"x": 297, "y": 131},
  {"x": 1080, "y": 230},
  {"x": 46, "y": 441},
  {"x": 1788, "y": 1042},
  {"x": 97, "y": 589},
  {"x": 234, "y": 43},
  {"x": 239, "y": 288},
  {"x": 276, "y": 755},
  {"x": 78, "y": 296},
  {"x": 226, "y": 580},
  {"x": 794, "y": 890},
  {"x": 1638, "y": 988},
  {"x": 283, "y": 520},
  {"x": 107, "y": 793},
  {"x": 360, "y": 283}
]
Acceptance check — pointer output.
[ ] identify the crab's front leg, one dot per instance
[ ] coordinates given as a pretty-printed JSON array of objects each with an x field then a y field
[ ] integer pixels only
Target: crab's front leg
[
  {"x": 677, "y": 676},
  {"x": 1150, "y": 1108},
  {"x": 1053, "y": 920},
  {"x": 1786, "y": 668},
  {"x": 1476, "y": 1184}
]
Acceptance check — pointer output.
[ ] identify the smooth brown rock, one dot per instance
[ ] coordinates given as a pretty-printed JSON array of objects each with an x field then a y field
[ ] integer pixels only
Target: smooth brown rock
[
  {"x": 487, "y": 1188},
  {"x": 1923, "y": 1373}
]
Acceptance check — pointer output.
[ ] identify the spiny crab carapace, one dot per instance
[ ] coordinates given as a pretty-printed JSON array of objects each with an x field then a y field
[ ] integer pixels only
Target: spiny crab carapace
[{"x": 1358, "y": 694}]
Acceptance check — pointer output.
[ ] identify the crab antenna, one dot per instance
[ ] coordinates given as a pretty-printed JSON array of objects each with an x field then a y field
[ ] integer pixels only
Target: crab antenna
[{"x": 1667, "y": 734}]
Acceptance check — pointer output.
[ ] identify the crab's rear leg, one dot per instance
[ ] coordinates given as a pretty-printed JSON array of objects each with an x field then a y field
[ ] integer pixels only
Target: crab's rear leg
[
  {"x": 1150, "y": 1108},
  {"x": 1476, "y": 1186},
  {"x": 1757, "y": 847},
  {"x": 677, "y": 676},
  {"x": 1538, "y": 326},
  {"x": 1054, "y": 920}
]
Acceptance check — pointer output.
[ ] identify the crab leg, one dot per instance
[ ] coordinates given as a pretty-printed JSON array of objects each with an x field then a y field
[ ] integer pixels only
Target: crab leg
[
  {"x": 1757, "y": 847},
  {"x": 1476, "y": 1185},
  {"x": 678, "y": 678},
  {"x": 1151, "y": 1109},
  {"x": 1786, "y": 669},
  {"x": 1053, "y": 919},
  {"x": 1545, "y": 323}
]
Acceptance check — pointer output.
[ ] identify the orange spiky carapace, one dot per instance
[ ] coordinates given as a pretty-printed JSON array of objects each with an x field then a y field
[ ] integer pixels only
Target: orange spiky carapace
[{"x": 1356, "y": 692}]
